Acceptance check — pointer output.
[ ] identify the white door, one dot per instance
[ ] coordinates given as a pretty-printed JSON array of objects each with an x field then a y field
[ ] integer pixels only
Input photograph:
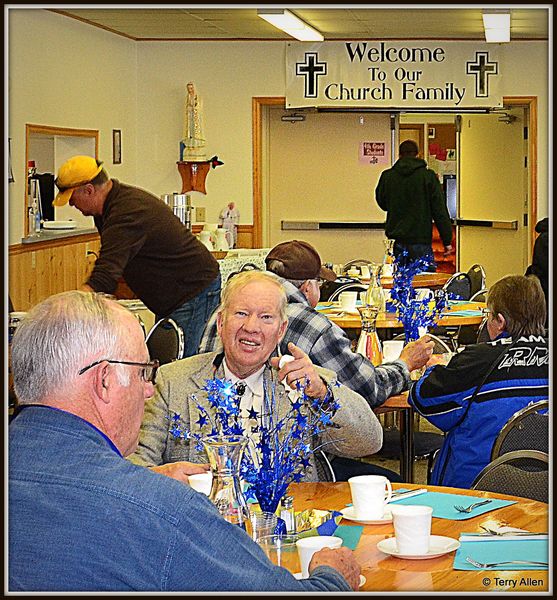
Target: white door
[{"x": 493, "y": 187}]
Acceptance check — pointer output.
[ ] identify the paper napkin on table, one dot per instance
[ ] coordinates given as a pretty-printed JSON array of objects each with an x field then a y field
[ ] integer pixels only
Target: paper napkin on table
[
  {"x": 502, "y": 550},
  {"x": 444, "y": 504}
]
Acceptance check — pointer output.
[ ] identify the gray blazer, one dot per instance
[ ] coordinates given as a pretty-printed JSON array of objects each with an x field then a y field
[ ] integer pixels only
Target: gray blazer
[{"x": 356, "y": 431}]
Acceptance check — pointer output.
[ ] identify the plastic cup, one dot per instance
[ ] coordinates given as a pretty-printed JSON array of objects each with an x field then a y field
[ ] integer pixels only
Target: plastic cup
[
  {"x": 281, "y": 551},
  {"x": 392, "y": 349},
  {"x": 263, "y": 524}
]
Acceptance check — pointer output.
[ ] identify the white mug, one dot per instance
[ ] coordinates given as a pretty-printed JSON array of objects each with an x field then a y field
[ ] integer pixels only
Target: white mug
[
  {"x": 412, "y": 526},
  {"x": 368, "y": 495},
  {"x": 348, "y": 300},
  {"x": 308, "y": 546},
  {"x": 392, "y": 349},
  {"x": 201, "y": 482}
]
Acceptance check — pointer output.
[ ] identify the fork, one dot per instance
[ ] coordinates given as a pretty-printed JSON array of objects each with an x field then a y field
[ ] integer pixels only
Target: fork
[
  {"x": 470, "y": 508},
  {"x": 480, "y": 565}
]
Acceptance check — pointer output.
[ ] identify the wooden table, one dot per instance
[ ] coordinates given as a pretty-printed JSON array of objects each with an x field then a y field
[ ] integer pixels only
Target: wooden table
[
  {"x": 388, "y": 320},
  {"x": 433, "y": 281},
  {"x": 400, "y": 405},
  {"x": 389, "y": 574}
]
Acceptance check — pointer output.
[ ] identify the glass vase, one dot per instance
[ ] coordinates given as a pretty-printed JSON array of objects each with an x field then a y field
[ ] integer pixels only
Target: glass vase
[
  {"x": 369, "y": 344},
  {"x": 225, "y": 454},
  {"x": 375, "y": 295}
]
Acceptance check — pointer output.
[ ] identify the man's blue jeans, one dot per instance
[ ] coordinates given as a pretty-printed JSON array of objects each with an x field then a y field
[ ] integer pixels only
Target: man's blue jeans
[{"x": 193, "y": 315}]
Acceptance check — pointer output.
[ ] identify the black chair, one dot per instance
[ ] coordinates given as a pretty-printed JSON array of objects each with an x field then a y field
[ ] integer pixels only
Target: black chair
[
  {"x": 329, "y": 287},
  {"x": 476, "y": 275},
  {"x": 479, "y": 296},
  {"x": 459, "y": 284},
  {"x": 324, "y": 468},
  {"x": 468, "y": 334},
  {"x": 483, "y": 333},
  {"x": 347, "y": 287},
  {"x": 523, "y": 473},
  {"x": 527, "y": 429},
  {"x": 357, "y": 262},
  {"x": 165, "y": 341},
  {"x": 440, "y": 345}
]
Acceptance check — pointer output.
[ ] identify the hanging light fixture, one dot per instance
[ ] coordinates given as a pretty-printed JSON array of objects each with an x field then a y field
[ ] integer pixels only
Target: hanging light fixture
[
  {"x": 289, "y": 23},
  {"x": 497, "y": 26}
]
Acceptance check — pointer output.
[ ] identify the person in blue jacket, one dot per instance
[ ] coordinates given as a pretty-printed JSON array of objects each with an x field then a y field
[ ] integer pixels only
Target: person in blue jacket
[
  {"x": 81, "y": 516},
  {"x": 474, "y": 395}
]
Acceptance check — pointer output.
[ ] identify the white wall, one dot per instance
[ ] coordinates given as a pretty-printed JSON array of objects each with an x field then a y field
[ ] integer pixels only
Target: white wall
[{"x": 67, "y": 74}]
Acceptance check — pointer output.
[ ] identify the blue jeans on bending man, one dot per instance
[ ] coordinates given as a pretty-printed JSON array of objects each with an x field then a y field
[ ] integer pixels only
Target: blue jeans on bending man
[{"x": 193, "y": 315}]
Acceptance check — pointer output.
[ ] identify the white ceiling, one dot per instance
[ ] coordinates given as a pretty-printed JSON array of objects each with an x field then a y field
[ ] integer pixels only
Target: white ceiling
[{"x": 192, "y": 22}]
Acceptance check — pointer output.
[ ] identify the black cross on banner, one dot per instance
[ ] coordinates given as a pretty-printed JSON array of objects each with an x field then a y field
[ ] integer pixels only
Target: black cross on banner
[
  {"x": 481, "y": 69},
  {"x": 311, "y": 69}
]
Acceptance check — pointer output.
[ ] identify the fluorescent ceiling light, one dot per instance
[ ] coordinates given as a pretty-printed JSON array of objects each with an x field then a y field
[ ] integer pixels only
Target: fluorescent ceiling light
[
  {"x": 497, "y": 26},
  {"x": 289, "y": 23}
]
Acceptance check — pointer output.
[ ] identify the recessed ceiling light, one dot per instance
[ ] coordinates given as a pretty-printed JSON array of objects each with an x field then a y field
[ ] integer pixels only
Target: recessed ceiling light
[{"x": 497, "y": 26}]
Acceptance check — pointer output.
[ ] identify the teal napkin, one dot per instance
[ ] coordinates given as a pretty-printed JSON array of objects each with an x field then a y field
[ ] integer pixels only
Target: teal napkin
[
  {"x": 463, "y": 313},
  {"x": 444, "y": 504},
  {"x": 502, "y": 550},
  {"x": 350, "y": 535}
]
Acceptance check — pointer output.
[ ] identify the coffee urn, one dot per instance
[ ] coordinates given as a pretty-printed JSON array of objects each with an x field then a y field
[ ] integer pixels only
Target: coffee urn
[{"x": 181, "y": 207}]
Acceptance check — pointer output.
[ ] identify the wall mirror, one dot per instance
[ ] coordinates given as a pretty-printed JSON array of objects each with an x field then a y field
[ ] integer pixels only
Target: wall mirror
[{"x": 49, "y": 147}]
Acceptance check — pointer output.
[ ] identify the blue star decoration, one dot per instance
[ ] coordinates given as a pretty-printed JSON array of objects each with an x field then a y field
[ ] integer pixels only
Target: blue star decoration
[
  {"x": 282, "y": 453},
  {"x": 412, "y": 312}
]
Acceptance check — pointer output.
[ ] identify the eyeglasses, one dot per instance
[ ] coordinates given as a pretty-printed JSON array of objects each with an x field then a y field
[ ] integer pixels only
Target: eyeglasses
[
  {"x": 486, "y": 312},
  {"x": 320, "y": 282},
  {"x": 148, "y": 372}
]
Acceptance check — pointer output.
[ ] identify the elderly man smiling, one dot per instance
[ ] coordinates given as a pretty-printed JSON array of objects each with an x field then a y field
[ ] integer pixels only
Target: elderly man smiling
[{"x": 251, "y": 323}]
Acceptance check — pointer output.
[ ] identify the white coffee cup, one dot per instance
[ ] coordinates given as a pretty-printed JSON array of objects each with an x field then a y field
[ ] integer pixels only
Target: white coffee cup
[
  {"x": 368, "y": 495},
  {"x": 392, "y": 349},
  {"x": 365, "y": 272},
  {"x": 387, "y": 270},
  {"x": 354, "y": 272},
  {"x": 201, "y": 482},
  {"x": 348, "y": 300},
  {"x": 308, "y": 546},
  {"x": 412, "y": 526}
]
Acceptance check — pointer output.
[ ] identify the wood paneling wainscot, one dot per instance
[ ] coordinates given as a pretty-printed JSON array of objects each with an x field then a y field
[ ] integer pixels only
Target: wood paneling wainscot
[{"x": 40, "y": 269}]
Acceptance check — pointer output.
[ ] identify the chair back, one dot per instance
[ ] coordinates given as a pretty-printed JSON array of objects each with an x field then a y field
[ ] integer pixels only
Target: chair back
[
  {"x": 347, "y": 287},
  {"x": 523, "y": 473},
  {"x": 324, "y": 468},
  {"x": 479, "y": 296},
  {"x": 440, "y": 346},
  {"x": 357, "y": 262},
  {"x": 458, "y": 284},
  {"x": 476, "y": 274},
  {"x": 165, "y": 341},
  {"x": 483, "y": 333},
  {"x": 527, "y": 429}
]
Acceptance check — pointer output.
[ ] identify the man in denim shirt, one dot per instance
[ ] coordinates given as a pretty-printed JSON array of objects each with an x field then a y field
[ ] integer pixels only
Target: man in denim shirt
[{"x": 81, "y": 517}]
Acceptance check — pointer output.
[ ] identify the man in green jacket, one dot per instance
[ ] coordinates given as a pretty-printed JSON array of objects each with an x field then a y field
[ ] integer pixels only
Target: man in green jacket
[{"x": 412, "y": 196}]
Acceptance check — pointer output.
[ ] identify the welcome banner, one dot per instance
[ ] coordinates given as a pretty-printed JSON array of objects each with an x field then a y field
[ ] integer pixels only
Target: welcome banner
[{"x": 393, "y": 75}]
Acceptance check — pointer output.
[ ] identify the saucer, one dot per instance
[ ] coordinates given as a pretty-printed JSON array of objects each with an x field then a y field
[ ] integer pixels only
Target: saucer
[
  {"x": 349, "y": 513},
  {"x": 438, "y": 545},
  {"x": 362, "y": 578}
]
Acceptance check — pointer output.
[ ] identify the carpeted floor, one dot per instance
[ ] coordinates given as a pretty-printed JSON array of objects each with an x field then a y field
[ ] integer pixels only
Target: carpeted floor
[{"x": 420, "y": 466}]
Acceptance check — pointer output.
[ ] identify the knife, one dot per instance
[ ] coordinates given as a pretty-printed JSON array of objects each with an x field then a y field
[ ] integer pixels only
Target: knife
[{"x": 406, "y": 494}]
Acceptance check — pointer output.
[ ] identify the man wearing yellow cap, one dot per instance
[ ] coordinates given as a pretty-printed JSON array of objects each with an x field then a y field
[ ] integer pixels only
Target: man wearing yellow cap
[{"x": 145, "y": 243}]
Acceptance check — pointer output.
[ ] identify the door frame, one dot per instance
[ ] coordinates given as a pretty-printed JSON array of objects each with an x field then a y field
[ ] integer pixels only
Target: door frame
[{"x": 259, "y": 103}]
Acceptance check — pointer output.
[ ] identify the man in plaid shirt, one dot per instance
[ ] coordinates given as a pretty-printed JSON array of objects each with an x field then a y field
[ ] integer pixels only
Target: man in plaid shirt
[{"x": 299, "y": 266}]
